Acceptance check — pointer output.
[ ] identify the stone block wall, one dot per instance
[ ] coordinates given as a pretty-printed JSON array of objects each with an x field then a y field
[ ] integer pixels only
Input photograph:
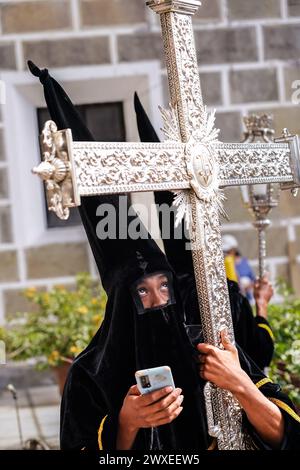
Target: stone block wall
[{"x": 249, "y": 58}]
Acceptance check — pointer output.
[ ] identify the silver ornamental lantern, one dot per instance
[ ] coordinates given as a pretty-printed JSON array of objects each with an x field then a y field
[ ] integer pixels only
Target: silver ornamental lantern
[{"x": 260, "y": 199}]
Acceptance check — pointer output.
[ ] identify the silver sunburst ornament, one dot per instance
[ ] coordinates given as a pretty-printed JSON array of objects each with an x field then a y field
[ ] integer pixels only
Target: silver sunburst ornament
[{"x": 202, "y": 164}]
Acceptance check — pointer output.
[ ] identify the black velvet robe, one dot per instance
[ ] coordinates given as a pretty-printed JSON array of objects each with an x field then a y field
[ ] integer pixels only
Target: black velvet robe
[{"x": 101, "y": 375}]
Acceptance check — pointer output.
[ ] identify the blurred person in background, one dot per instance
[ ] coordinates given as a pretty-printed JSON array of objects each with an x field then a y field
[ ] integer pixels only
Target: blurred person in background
[{"x": 237, "y": 267}]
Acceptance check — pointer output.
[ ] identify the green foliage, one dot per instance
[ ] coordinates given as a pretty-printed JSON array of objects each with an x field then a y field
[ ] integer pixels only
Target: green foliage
[
  {"x": 285, "y": 321},
  {"x": 61, "y": 325}
]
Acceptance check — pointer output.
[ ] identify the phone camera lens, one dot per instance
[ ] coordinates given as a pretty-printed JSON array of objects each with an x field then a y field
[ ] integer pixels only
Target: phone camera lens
[{"x": 145, "y": 381}]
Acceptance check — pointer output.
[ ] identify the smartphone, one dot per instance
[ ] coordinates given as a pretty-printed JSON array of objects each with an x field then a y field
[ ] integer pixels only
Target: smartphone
[{"x": 149, "y": 380}]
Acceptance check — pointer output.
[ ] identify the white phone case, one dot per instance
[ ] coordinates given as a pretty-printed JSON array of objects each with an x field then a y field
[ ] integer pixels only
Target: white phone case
[{"x": 149, "y": 380}]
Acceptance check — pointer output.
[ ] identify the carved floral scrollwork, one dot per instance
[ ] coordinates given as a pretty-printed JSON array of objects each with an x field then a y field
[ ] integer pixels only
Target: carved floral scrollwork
[
  {"x": 246, "y": 162},
  {"x": 190, "y": 84},
  {"x": 54, "y": 170},
  {"x": 111, "y": 168}
]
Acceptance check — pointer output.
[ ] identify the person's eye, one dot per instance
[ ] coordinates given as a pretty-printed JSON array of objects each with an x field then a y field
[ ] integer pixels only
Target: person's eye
[
  {"x": 142, "y": 291},
  {"x": 164, "y": 285}
]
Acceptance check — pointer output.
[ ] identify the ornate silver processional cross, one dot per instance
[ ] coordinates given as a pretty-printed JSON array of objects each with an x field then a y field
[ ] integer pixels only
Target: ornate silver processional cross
[{"x": 193, "y": 164}]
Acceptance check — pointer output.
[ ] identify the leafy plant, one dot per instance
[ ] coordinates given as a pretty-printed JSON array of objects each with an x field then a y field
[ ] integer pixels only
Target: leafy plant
[
  {"x": 60, "y": 327},
  {"x": 285, "y": 321}
]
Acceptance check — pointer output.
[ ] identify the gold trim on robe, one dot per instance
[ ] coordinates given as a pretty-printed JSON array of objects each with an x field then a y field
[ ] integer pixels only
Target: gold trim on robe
[
  {"x": 263, "y": 382},
  {"x": 100, "y": 433},
  {"x": 285, "y": 407},
  {"x": 268, "y": 329}
]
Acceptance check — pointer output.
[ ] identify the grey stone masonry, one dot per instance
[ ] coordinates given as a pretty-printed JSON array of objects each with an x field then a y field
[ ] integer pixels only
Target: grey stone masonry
[
  {"x": 298, "y": 238},
  {"x": 5, "y": 225},
  {"x": 291, "y": 81},
  {"x": 3, "y": 183},
  {"x": 234, "y": 199},
  {"x": 35, "y": 16},
  {"x": 230, "y": 125},
  {"x": 112, "y": 12},
  {"x": 137, "y": 47},
  {"x": 7, "y": 55},
  {"x": 8, "y": 266},
  {"x": 2, "y": 156},
  {"x": 254, "y": 85},
  {"x": 67, "y": 52},
  {"x": 211, "y": 84},
  {"x": 289, "y": 206},
  {"x": 210, "y": 11},
  {"x": 282, "y": 42},
  {"x": 64, "y": 259},
  {"x": 293, "y": 7},
  {"x": 226, "y": 46},
  {"x": 254, "y": 9}
]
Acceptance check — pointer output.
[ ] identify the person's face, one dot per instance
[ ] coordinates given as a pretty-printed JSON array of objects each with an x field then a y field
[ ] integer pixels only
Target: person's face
[
  {"x": 230, "y": 252},
  {"x": 154, "y": 291}
]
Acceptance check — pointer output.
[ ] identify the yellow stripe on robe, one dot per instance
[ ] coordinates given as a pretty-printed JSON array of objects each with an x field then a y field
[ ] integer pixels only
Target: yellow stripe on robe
[
  {"x": 100, "y": 433},
  {"x": 230, "y": 268}
]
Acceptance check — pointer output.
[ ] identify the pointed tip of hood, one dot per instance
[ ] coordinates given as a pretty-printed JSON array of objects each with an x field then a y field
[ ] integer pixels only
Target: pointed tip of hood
[
  {"x": 34, "y": 69},
  {"x": 145, "y": 128},
  {"x": 42, "y": 74}
]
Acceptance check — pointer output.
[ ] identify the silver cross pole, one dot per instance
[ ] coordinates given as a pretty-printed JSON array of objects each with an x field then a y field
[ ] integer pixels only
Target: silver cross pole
[{"x": 191, "y": 162}]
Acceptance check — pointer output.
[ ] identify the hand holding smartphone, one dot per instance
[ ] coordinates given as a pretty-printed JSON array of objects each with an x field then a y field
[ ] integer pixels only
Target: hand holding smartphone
[
  {"x": 155, "y": 378},
  {"x": 156, "y": 405}
]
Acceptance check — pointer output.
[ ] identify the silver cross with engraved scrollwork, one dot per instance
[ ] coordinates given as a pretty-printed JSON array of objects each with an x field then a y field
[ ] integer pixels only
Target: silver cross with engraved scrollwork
[{"x": 193, "y": 164}]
